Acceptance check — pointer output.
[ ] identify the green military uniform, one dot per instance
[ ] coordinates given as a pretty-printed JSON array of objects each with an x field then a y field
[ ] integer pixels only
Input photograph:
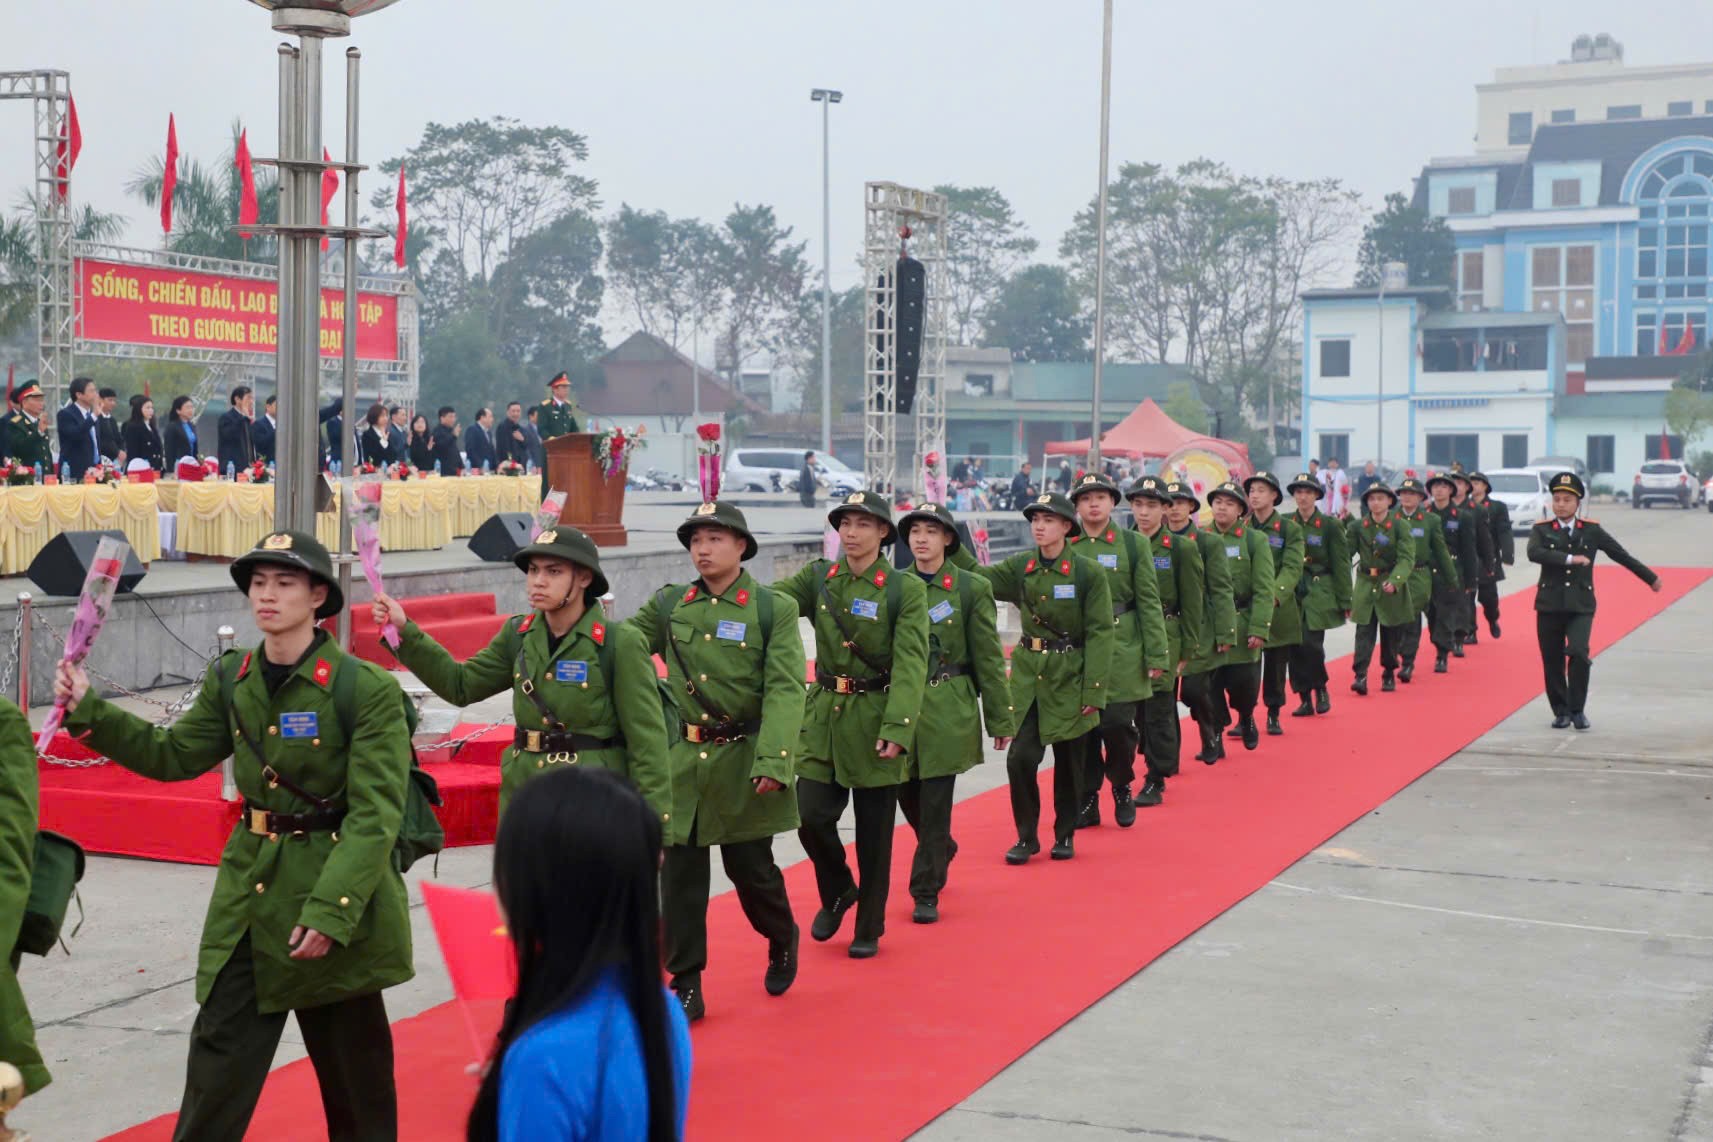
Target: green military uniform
[
  {"x": 1564, "y": 601},
  {"x": 1385, "y": 554},
  {"x": 1178, "y": 575},
  {"x": 576, "y": 700},
  {"x": 1284, "y": 536},
  {"x": 734, "y": 663},
  {"x": 1219, "y": 629},
  {"x": 966, "y": 662},
  {"x": 26, "y": 441},
  {"x": 291, "y": 860},
  {"x": 1501, "y": 544},
  {"x": 871, "y": 668},
  {"x": 1445, "y": 611},
  {"x": 1059, "y": 668},
  {"x": 1476, "y": 515},
  {"x": 19, "y": 809},
  {"x": 1237, "y": 682},
  {"x": 556, "y": 416},
  {"x": 1139, "y": 646},
  {"x": 1323, "y": 596},
  {"x": 1433, "y": 569}
]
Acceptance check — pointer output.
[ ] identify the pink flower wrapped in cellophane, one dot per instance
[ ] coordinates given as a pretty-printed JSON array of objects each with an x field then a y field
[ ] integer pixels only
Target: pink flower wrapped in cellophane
[
  {"x": 982, "y": 554},
  {"x": 547, "y": 515},
  {"x": 99, "y": 587},
  {"x": 365, "y": 512},
  {"x": 933, "y": 478},
  {"x": 708, "y": 449}
]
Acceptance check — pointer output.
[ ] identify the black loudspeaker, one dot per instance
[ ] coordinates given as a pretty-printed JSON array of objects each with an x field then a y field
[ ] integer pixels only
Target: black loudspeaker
[
  {"x": 61, "y": 566},
  {"x": 912, "y": 291},
  {"x": 501, "y": 536}
]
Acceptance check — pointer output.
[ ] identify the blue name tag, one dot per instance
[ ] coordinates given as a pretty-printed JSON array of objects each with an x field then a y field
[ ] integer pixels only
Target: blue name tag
[
  {"x": 1276, "y": 540},
  {"x": 1064, "y": 590},
  {"x": 299, "y": 725},
  {"x": 1108, "y": 561},
  {"x": 730, "y": 631},
  {"x": 1382, "y": 541},
  {"x": 940, "y": 611},
  {"x": 1451, "y": 525},
  {"x": 1234, "y": 551},
  {"x": 1417, "y": 532},
  {"x": 1162, "y": 562},
  {"x": 567, "y": 671},
  {"x": 1314, "y": 540},
  {"x": 865, "y": 608}
]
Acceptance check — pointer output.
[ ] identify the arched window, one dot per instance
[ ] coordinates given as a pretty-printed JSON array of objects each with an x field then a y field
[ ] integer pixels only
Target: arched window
[{"x": 1675, "y": 200}]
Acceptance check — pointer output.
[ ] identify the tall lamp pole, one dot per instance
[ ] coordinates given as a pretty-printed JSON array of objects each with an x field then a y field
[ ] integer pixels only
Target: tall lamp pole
[
  {"x": 1100, "y": 237},
  {"x": 826, "y": 97}
]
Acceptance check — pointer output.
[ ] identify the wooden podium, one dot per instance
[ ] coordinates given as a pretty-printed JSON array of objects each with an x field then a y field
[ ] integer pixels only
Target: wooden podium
[{"x": 594, "y": 504}]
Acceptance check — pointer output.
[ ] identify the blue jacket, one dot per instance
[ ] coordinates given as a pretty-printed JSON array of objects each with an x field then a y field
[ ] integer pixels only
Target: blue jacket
[{"x": 77, "y": 449}]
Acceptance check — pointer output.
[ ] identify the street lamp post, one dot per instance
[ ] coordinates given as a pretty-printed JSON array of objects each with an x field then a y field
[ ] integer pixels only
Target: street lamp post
[
  {"x": 826, "y": 97},
  {"x": 1100, "y": 237}
]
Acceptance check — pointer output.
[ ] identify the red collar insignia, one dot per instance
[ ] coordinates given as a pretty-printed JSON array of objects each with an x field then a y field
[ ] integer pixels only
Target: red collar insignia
[
  {"x": 528, "y": 621},
  {"x": 1579, "y": 523},
  {"x": 1065, "y": 567},
  {"x": 1075, "y": 539},
  {"x": 690, "y": 595},
  {"x": 244, "y": 666},
  {"x": 323, "y": 673},
  {"x": 1317, "y": 521},
  {"x": 1166, "y": 541},
  {"x": 1239, "y": 532},
  {"x": 598, "y": 632},
  {"x": 947, "y": 581},
  {"x": 1028, "y": 567},
  {"x": 833, "y": 570},
  {"x": 1387, "y": 525},
  {"x": 880, "y": 578},
  {"x": 743, "y": 597},
  {"x": 1109, "y": 536}
]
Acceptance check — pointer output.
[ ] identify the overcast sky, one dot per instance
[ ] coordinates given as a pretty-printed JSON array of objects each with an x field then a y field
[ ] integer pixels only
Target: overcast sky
[{"x": 690, "y": 106}]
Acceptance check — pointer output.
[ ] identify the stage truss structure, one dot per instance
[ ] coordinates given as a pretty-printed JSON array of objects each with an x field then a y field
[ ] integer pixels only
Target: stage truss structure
[
  {"x": 899, "y": 219},
  {"x": 49, "y": 92}
]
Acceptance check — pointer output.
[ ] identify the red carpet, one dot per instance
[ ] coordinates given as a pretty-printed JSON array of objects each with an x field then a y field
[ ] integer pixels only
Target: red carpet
[
  {"x": 875, "y": 1050},
  {"x": 463, "y": 624}
]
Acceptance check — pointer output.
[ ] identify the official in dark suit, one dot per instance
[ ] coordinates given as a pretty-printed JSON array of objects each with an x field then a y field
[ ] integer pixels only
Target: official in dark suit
[
  {"x": 445, "y": 442},
  {"x": 142, "y": 438},
  {"x": 512, "y": 436},
  {"x": 421, "y": 444},
  {"x": 1565, "y": 547},
  {"x": 333, "y": 416},
  {"x": 398, "y": 437},
  {"x": 75, "y": 424},
  {"x": 376, "y": 440},
  {"x": 537, "y": 450},
  {"x": 180, "y": 435},
  {"x": 236, "y": 450},
  {"x": 264, "y": 431},
  {"x": 479, "y": 450},
  {"x": 107, "y": 433}
]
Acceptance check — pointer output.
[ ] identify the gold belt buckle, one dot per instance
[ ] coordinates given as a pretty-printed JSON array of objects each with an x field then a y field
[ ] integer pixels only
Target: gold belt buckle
[
  {"x": 259, "y": 822},
  {"x": 843, "y": 685},
  {"x": 692, "y": 733},
  {"x": 532, "y": 741},
  {"x": 1037, "y": 644}
]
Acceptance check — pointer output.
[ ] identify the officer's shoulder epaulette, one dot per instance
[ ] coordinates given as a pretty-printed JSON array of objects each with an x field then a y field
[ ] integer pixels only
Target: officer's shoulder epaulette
[{"x": 1591, "y": 522}]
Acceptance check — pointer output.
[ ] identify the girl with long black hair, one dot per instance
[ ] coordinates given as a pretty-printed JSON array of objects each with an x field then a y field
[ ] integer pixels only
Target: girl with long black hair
[{"x": 591, "y": 1047}]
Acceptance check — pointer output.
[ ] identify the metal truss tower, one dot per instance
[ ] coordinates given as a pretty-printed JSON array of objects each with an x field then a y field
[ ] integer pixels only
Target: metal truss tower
[
  {"x": 50, "y": 95},
  {"x": 899, "y": 219}
]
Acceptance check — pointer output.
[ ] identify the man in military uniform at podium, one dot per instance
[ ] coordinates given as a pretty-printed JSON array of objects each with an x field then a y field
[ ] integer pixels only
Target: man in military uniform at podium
[
  {"x": 26, "y": 443},
  {"x": 556, "y": 416}
]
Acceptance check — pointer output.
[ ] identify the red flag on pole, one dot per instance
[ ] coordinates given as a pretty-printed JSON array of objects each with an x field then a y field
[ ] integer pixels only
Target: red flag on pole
[
  {"x": 1686, "y": 343},
  {"x": 398, "y": 238},
  {"x": 248, "y": 209},
  {"x": 329, "y": 188},
  {"x": 69, "y": 147},
  {"x": 1665, "y": 442},
  {"x": 1664, "y": 349},
  {"x": 169, "y": 175},
  {"x": 476, "y": 948}
]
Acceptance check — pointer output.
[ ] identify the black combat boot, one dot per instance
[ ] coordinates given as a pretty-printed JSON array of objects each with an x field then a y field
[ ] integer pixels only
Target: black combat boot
[
  {"x": 781, "y": 965},
  {"x": 1322, "y": 701},
  {"x": 1440, "y": 665},
  {"x": 1251, "y": 732},
  {"x": 1123, "y": 806},
  {"x": 1359, "y": 684},
  {"x": 1305, "y": 708},
  {"x": 1153, "y": 792},
  {"x": 1387, "y": 682},
  {"x": 1274, "y": 729}
]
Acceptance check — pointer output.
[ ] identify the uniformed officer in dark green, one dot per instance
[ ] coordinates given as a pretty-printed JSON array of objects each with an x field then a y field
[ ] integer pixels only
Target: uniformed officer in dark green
[
  {"x": 1219, "y": 622},
  {"x": 1446, "y": 622},
  {"x": 1059, "y": 669},
  {"x": 1323, "y": 593},
  {"x": 1285, "y": 537},
  {"x": 1433, "y": 568},
  {"x": 1177, "y": 566},
  {"x": 1476, "y": 513},
  {"x": 309, "y": 912},
  {"x": 1249, "y": 558},
  {"x": 861, "y": 716},
  {"x": 966, "y": 665},
  {"x": 1565, "y": 548},
  {"x": 26, "y": 439},
  {"x": 1140, "y": 648},
  {"x": 583, "y": 691},
  {"x": 19, "y": 806},
  {"x": 1501, "y": 544},
  {"x": 556, "y": 416},
  {"x": 1380, "y": 601},
  {"x": 734, "y": 662}
]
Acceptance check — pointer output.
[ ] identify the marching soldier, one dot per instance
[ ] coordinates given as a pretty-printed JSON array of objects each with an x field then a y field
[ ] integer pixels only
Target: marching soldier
[
  {"x": 1446, "y": 621},
  {"x": 966, "y": 661},
  {"x": 1501, "y": 544},
  {"x": 862, "y": 715},
  {"x": 735, "y": 663},
  {"x": 1237, "y": 682},
  {"x": 1565, "y": 547},
  {"x": 19, "y": 804},
  {"x": 1323, "y": 592},
  {"x": 1433, "y": 568},
  {"x": 1139, "y": 650},
  {"x": 26, "y": 440},
  {"x": 583, "y": 692},
  {"x": 1285, "y": 538},
  {"x": 1058, "y": 669},
  {"x": 1182, "y": 584},
  {"x": 1219, "y": 622},
  {"x": 1381, "y": 603},
  {"x": 1475, "y": 516},
  {"x": 309, "y": 913}
]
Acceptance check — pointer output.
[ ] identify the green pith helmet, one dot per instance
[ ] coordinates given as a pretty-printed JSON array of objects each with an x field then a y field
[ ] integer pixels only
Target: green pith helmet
[
  {"x": 866, "y": 503},
  {"x": 297, "y": 550},
  {"x": 1481, "y": 476},
  {"x": 1152, "y": 488},
  {"x": 1385, "y": 490},
  {"x": 1056, "y": 503},
  {"x": 1307, "y": 482},
  {"x": 1271, "y": 481},
  {"x": 1231, "y": 489},
  {"x": 1095, "y": 482},
  {"x": 937, "y": 513},
  {"x": 1410, "y": 484},
  {"x": 1179, "y": 490},
  {"x": 1441, "y": 478},
  {"x": 716, "y": 514},
  {"x": 565, "y": 542},
  {"x": 1567, "y": 482}
]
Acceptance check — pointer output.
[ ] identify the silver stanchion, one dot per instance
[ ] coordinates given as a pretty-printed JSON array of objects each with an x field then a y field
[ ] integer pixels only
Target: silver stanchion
[
  {"x": 25, "y": 619},
  {"x": 224, "y": 638}
]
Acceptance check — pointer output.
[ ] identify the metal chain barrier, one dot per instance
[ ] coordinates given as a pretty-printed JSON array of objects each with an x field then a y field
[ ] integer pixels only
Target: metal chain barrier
[{"x": 12, "y": 658}]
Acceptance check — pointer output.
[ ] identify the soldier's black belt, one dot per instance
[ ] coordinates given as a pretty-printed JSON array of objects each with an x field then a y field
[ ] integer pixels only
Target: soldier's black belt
[
  {"x": 840, "y": 684},
  {"x": 1050, "y": 645},
  {"x": 1171, "y": 612},
  {"x": 950, "y": 670},
  {"x": 267, "y": 824},
  {"x": 1375, "y": 572},
  {"x": 560, "y": 741},
  {"x": 723, "y": 732},
  {"x": 1122, "y": 608}
]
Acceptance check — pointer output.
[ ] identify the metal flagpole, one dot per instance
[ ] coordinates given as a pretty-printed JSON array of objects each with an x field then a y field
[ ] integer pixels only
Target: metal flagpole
[
  {"x": 1100, "y": 237},
  {"x": 348, "y": 417}
]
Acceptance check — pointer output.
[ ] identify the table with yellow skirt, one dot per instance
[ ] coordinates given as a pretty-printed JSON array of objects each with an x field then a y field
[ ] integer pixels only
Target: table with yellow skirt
[{"x": 32, "y": 515}]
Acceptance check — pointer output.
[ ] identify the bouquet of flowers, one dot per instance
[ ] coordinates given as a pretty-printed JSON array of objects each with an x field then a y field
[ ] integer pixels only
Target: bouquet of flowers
[
  {"x": 17, "y": 475},
  {"x": 547, "y": 515},
  {"x": 99, "y": 587},
  {"x": 259, "y": 473},
  {"x": 933, "y": 478},
  {"x": 367, "y": 468},
  {"x": 983, "y": 554},
  {"x": 509, "y": 468},
  {"x": 708, "y": 450},
  {"x": 103, "y": 473},
  {"x": 365, "y": 509},
  {"x": 614, "y": 447}
]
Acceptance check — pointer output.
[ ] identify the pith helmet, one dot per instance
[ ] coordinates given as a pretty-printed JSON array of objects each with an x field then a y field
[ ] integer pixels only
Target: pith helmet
[
  {"x": 1382, "y": 487},
  {"x": 297, "y": 550},
  {"x": 1055, "y": 503},
  {"x": 866, "y": 503},
  {"x": 937, "y": 513},
  {"x": 1230, "y": 488},
  {"x": 1306, "y": 482},
  {"x": 716, "y": 514},
  {"x": 1151, "y": 488},
  {"x": 1271, "y": 481},
  {"x": 1179, "y": 490},
  {"x": 1095, "y": 482},
  {"x": 567, "y": 543}
]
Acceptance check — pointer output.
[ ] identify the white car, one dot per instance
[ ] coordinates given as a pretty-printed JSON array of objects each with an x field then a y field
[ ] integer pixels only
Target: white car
[
  {"x": 776, "y": 469},
  {"x": 1668, "y": 480},
  {"x": 1524, "y": 493}
]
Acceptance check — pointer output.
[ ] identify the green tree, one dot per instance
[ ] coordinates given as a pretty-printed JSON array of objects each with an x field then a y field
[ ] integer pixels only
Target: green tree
[
  {"x": 763, "y": 272},
  {"x": 462, "y": 366},
  {"x": 1183, "y": 406},
  {"x": 1402, "y": 233},
  {"x": 205, "y": 205},
  {"x": 1037, "y": 315},
  {"x": 849, "y": 314},
  {"x": 985, "y": 247},
  {"x": 18, "y": 258},
  {"x": 666, "y": 271},
  {"x": 1689, "y": 404}
]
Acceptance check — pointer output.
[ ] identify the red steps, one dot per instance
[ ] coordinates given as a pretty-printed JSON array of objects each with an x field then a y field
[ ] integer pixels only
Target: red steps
[{"x": 462, "y": 623}]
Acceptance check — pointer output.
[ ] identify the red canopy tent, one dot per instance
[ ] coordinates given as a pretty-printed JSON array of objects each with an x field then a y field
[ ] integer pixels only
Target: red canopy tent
[{"x": 1146, "y": 434}]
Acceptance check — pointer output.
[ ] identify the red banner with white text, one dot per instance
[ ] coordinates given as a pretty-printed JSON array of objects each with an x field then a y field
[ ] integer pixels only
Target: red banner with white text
[{"x": 147, "y": 305}]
